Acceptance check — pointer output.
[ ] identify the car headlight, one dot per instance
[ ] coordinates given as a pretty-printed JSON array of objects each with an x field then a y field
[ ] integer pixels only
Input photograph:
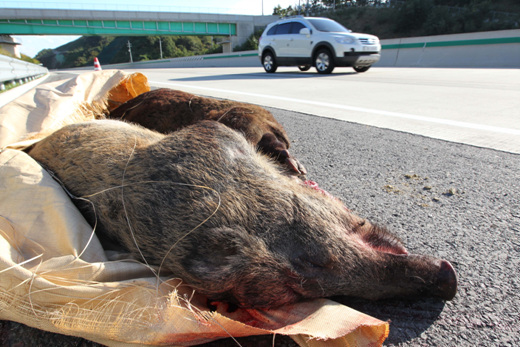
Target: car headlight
[{"x": 344, "y": 39}]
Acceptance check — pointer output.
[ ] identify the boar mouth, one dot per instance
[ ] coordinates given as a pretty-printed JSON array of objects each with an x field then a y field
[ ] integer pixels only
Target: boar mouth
[
  {"x": 414, "y": 275},
  {"x": 436, "y": 277}
]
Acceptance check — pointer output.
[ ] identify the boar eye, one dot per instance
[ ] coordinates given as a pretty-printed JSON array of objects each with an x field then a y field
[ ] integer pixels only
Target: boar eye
[
  {"x": 313, "y": 264},
  {"x": 309, "y": 262}
]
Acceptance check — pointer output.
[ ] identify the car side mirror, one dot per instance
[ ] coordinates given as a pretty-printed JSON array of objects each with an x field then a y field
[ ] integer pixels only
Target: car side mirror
[{"x": 305, "y": 31}]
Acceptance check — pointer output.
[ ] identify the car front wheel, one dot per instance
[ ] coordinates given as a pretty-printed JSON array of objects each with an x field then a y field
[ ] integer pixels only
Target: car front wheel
[
  {"x": 324, "y": 61},
  {"x": 361, "y": 68},
  {"x": 269, "y": 62},
  {"x": 304, "y": 67}
]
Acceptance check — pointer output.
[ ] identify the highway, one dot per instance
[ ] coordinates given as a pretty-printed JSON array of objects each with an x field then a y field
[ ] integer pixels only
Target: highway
[{"x": 480, "y": 107}]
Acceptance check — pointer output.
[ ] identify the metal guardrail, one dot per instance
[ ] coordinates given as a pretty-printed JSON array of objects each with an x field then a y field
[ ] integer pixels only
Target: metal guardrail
[{"x": 12, "y": 69}]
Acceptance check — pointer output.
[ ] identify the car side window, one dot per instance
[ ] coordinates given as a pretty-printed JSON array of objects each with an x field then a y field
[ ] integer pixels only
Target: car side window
[
  {"x": 296, "y": 27},
  {"x": 283, "y": 29},
  {"x": 272, "y": 31}
]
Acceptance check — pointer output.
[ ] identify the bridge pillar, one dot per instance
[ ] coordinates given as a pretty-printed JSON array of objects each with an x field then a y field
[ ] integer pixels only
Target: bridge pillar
[
  {"x": 227, "y": 45},
  {"x": 244, "y": 30}
]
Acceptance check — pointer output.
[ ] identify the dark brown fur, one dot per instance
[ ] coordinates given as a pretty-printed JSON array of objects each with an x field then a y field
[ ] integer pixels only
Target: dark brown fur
[
  {"x": 168, "y": 110},
  {"x": 222, "y": 217}
]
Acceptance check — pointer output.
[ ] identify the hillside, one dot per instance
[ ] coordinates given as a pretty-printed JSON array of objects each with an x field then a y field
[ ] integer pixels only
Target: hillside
[
  {"x": 113, "y": 50},
  {"x": 416, "y": 17}
]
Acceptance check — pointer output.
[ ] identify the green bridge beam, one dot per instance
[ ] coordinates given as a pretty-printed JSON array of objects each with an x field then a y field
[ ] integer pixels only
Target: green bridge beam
[{"x": 112, "y": 27}]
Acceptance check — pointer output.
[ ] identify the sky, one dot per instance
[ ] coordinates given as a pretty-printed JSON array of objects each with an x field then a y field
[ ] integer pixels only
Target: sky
[{"x": 31, "y": 45}]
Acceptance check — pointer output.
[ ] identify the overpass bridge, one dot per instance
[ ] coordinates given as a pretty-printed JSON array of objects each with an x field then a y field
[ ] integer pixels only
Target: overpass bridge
[{"x": 28, "y": 21}]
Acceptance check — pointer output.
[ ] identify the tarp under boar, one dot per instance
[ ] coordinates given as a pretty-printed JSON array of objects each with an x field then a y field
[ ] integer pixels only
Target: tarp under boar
[{"x": 55, "y": 276}]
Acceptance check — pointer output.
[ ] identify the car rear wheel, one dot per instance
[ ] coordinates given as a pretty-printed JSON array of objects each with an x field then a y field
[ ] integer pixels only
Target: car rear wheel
[
  {"x": 269, "y": 62},
  {"x": 324, "y": 61},
  {"x": 361, "y": 68},
  {"x": 304, "y": 67}
]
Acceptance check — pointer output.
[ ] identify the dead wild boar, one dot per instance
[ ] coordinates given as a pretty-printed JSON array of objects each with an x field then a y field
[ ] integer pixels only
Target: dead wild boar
[
  {"x": 168, "y": 110},
  {"x": 203, "y": 203}
]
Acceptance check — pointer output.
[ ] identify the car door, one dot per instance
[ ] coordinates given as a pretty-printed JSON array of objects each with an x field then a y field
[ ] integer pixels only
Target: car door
[
  {"x": 299, "y": 45},
  {"x": 281, "y": 39}
]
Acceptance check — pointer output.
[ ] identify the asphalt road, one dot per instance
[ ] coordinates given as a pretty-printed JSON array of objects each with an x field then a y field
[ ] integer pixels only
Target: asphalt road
[
  {"x": 480, "y": 107},
  {"x": 455, "y": 201}
]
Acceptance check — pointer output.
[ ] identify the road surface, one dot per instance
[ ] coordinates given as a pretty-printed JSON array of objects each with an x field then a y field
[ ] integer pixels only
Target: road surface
[{"x": 480, "y": 107}]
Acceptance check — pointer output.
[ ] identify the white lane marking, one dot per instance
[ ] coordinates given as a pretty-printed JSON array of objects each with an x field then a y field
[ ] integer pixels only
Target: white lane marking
[{"x": 454, "y": 123}]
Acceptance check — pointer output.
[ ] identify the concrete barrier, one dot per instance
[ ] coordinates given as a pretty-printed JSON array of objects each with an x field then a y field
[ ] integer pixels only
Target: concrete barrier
[
  {"x": 236, "y": 59},
  {"x": 491, "y": 49}
]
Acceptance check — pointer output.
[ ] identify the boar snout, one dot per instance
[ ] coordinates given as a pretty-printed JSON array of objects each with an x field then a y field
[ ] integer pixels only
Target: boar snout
[
  {"x": 418, "y": 275},
  {"x": 446, "y": 281}
]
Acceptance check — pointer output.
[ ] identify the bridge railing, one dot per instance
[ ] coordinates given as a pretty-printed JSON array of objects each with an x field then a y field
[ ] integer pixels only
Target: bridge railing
[
  {"x": 244, "y": 8},
  {"x": 18, "y": 71}
]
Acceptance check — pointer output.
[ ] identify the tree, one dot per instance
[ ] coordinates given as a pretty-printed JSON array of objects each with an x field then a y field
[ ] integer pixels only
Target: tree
[
  {"x": 168, "y": 46},
  {"x": 413, "y": 14},
  {"x": 251, "y": 43},
  {"x": 284, "y": 12},
  {"x": 80, "y": 61}
]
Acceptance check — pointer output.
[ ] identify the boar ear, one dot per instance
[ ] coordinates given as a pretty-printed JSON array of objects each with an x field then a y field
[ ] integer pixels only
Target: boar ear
[{"x": 218, "y": 252}]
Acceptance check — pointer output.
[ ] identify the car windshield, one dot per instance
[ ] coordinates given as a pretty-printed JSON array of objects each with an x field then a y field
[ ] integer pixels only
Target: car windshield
[{"x": 327, "y": 25}]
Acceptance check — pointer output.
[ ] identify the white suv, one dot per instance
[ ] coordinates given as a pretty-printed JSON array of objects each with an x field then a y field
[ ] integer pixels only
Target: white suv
[{"x": 322, "y": 42}]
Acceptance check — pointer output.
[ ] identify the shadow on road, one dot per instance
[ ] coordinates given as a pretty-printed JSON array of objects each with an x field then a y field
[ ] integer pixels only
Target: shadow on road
[
  {"x": 408, "y": 318},
  {"x": 260, "y": 76}
]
